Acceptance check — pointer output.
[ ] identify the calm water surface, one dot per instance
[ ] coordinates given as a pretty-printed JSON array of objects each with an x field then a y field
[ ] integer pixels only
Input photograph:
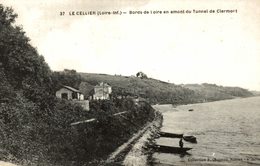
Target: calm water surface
[{"x": 228, "y": 132}]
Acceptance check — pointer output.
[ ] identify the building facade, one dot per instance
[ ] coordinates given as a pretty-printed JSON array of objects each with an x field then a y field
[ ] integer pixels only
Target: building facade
[
  {"x": 102, "y": 91},
  {"x": 69, "y": 93}
]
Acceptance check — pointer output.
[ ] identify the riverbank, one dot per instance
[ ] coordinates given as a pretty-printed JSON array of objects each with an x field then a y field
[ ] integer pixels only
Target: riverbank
[
  {"x": 136, "y": 151},
  {"x": 141, "y": 154},
  {"x": 185, "y": 107}
]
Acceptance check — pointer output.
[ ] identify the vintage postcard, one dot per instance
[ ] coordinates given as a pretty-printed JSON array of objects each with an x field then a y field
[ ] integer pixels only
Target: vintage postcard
[{"x": 144, "y": 82}]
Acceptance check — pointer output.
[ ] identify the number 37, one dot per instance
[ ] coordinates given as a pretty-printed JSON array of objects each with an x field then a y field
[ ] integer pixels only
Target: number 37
[{"x": 62, "y": 13}]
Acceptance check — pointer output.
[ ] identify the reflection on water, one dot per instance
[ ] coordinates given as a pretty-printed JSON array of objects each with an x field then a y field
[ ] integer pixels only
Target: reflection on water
[{"x": 228, "y": 132}]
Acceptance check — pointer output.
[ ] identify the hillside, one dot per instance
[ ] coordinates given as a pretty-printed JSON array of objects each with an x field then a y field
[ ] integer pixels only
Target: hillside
[
  {"x": 255, "y": 93},
  {"x": 211, "y": 92},
  {"x": 156, "y": 91}
]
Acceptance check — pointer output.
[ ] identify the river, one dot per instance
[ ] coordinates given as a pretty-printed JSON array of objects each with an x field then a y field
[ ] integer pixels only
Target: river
[{"x": 228, "y": 132}]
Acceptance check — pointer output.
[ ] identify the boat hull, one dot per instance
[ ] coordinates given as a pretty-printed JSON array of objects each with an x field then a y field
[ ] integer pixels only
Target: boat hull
[
  {"x": 191, "y": 139},
  {"x": 170, "y": 149},
  {"x": 170, "y": 135}
]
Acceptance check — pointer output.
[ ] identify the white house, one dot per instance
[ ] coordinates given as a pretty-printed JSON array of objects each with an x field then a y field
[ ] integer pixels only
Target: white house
[
  {"x": 69, "y": 93},
  {"x": 102, "y": 91}
]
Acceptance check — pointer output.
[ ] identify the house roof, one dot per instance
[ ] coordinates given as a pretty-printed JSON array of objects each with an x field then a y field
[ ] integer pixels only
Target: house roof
[
  {"x": 102, "y": 84},
  {"x": 91, "y": 92},
  {"x": 71, "y": 89},
  {"x": 85, "y": 88}
]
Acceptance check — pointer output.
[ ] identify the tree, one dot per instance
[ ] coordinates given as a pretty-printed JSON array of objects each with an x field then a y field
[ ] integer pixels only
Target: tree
[
  {"x": 66, "y": 77},
  {"x": 141, "y": 75},
  {"x": 22, "y": 69},
  {"x": 6, "y": 90},
  {"x": 7, "y": 16},
  {"x": 21, "y": 63}
]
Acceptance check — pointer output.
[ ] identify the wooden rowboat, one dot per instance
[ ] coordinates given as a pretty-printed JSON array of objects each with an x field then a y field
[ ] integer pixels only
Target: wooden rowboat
[
  {"x": 191, "y": 139},
  {"x": 170, "y": 135},
  {"x": 170, "y": 149}
]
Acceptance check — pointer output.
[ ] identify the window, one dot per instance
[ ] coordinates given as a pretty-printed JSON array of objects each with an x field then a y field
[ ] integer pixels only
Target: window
[{"x": 64, "y": 96}]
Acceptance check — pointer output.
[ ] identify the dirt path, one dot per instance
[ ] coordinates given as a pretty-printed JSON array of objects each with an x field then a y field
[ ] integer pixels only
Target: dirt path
[
  {"x": 122, "y": 148},
  {"x": 3, "y": 163},
  {"x": 139, "y": 154},
  {"x": 135, "y": 151}
]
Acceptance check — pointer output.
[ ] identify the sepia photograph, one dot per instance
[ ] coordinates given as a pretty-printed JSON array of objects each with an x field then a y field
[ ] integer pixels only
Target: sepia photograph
[{"x": 129, "y": 83}]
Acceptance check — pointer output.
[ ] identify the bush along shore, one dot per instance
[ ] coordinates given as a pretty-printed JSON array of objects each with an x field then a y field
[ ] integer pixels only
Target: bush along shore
[
  {"x": 83, "y": 144},
  {"x": 110, "y": 132}
]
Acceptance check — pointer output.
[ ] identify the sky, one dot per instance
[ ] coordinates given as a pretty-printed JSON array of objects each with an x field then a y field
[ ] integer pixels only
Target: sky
[{"x": 219, "y": 48}]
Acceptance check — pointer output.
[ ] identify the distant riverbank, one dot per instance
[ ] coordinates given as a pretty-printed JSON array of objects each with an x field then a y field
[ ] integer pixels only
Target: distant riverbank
[{"x": 172, "y": 107}]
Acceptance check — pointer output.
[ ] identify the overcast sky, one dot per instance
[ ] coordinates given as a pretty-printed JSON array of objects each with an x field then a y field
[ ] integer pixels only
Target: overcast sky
[{"x": 180, "y": 48}]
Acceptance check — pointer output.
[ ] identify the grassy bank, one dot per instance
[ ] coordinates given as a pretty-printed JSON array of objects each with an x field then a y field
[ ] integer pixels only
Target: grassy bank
[{"x": 50, "y": 140}]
